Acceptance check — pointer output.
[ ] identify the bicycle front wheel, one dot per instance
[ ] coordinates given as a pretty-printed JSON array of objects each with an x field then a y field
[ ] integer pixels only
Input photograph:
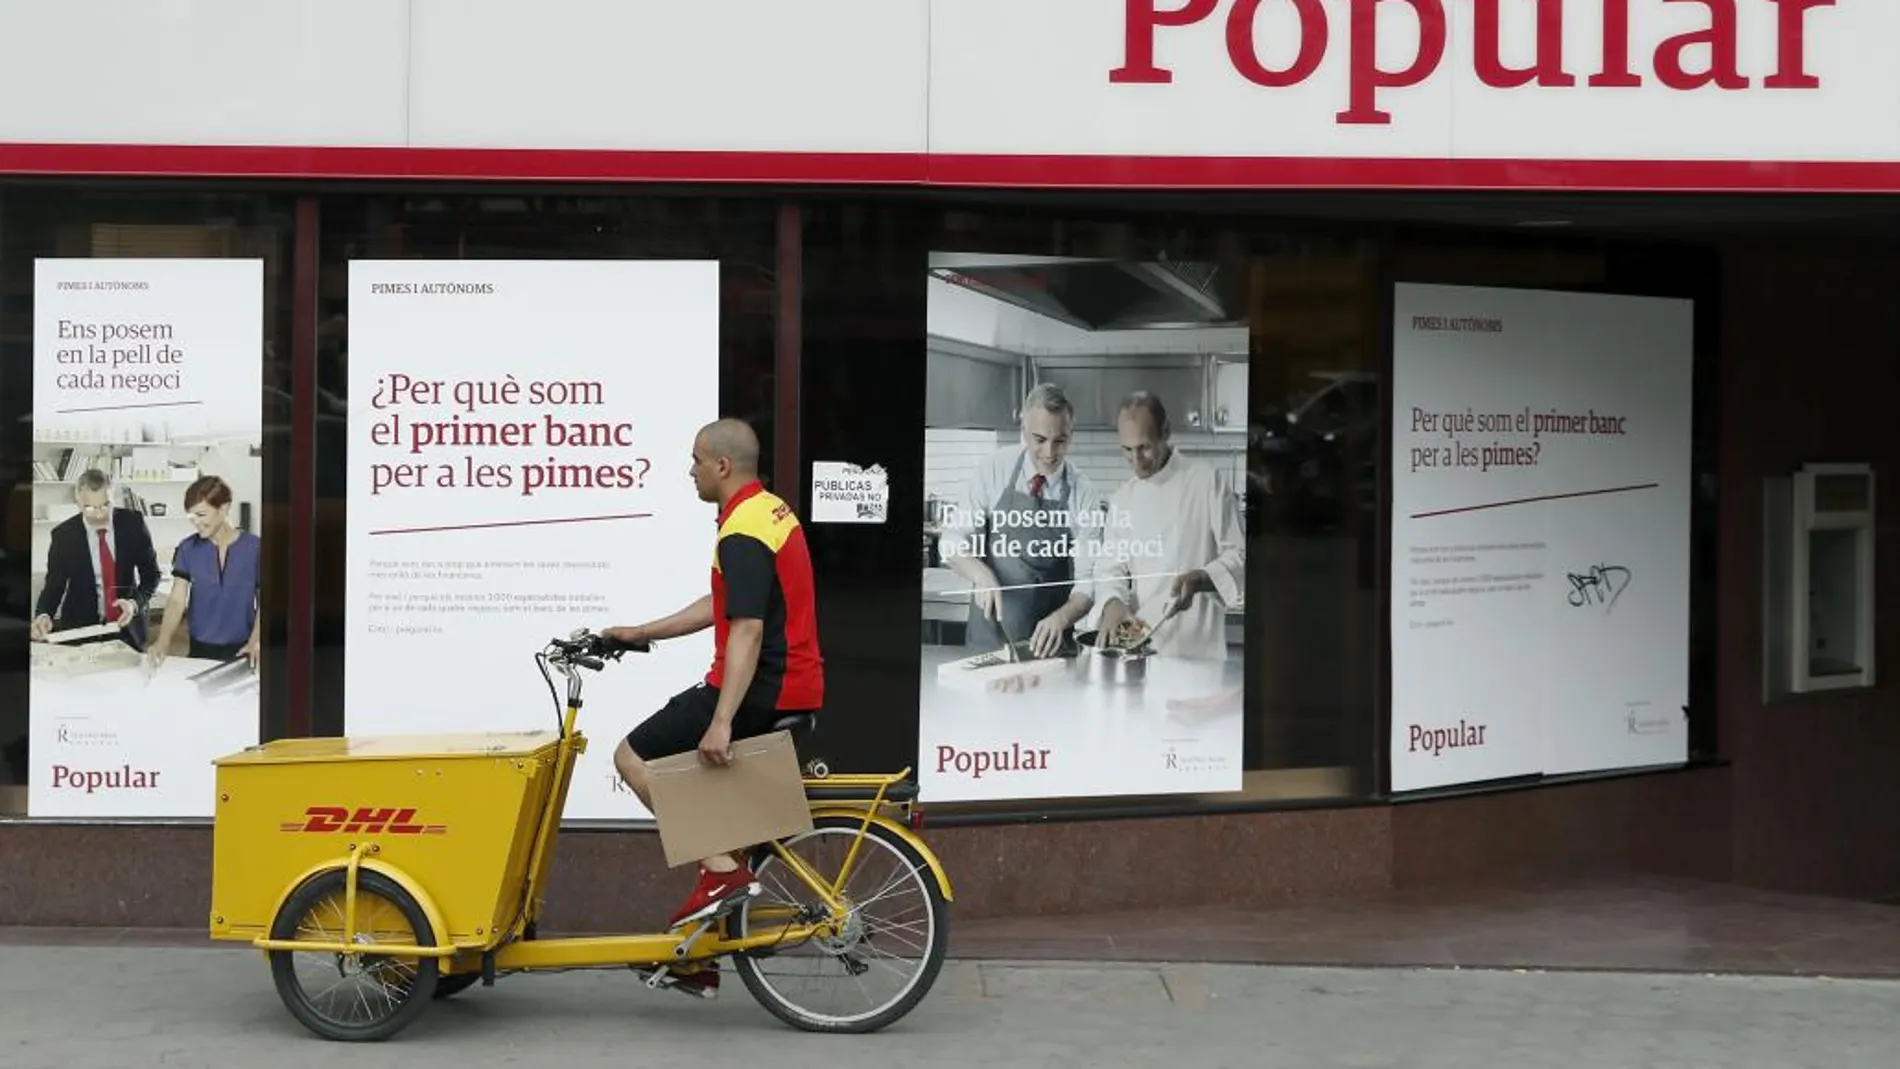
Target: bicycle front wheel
[{"x": 887, "y": 952}]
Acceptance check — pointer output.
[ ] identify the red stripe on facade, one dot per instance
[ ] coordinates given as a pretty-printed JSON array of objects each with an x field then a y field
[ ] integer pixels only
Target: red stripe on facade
[
  {"x": 563, "y": 165},
  {"x": 870, "y": 168},
  {"x": 1205, "y": 172}
]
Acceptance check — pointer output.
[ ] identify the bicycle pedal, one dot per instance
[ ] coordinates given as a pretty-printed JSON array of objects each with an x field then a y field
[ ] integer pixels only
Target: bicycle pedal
[
  {"x": 660, "y": 977},
  {"x": 666, "y": 978}
]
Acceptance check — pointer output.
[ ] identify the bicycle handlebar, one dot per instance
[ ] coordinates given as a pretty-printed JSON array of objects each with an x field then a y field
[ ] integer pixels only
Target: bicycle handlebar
[
  {"x": 591, "y": 650},
  {"x": 581, "y": 649}
]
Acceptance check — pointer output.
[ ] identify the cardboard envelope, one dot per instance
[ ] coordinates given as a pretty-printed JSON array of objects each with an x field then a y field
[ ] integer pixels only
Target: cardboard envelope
[{"x": 704, "y": 810}]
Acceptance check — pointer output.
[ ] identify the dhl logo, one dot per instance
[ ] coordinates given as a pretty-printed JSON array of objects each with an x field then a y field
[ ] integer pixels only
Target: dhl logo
[{"x": 363, "y": 820}]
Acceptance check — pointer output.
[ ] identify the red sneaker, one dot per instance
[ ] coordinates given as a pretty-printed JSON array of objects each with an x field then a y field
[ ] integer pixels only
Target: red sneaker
[{"x": 714, "y": 890}]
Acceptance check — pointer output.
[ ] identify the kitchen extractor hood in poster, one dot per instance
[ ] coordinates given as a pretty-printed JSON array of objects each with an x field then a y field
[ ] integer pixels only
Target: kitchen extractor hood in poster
[
  {"x": 521, "y": 437},
  {"x": 1083, "y": 560},
  {"x": 147, "y": 428},
  {"x": 1540, "y": 533}
]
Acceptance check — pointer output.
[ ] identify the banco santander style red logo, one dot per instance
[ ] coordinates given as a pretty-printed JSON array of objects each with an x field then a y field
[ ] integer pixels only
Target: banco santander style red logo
[{"x": 362, "y": 820}]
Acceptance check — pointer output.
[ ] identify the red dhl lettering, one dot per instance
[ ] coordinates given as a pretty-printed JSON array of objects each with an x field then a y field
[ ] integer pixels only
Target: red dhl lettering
[{"x": 362, "y": 820}]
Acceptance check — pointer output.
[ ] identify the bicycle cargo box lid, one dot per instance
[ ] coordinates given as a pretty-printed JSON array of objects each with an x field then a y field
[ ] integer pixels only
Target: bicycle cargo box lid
[{"x": 468, "y": 744}]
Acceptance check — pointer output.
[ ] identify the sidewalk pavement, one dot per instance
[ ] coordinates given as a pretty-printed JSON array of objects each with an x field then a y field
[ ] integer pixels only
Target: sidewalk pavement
[{"x": 121, "y": 1007}]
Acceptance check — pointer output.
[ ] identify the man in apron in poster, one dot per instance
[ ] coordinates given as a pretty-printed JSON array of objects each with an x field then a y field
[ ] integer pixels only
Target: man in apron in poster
[
  {"x": 1176, "y": 541},
  {"x": 1022, "y": 534}
]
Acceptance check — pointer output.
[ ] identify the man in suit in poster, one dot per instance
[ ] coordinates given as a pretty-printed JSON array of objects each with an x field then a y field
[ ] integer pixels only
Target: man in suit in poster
[
  {"x": 1021, "y": 535},
  {"x": 74, "y": 595}
]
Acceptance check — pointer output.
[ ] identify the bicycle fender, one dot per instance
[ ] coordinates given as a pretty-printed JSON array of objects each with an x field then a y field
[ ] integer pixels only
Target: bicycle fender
[
  {"x": 402, "y": 879},
  {"x": 910, "y": 839}
]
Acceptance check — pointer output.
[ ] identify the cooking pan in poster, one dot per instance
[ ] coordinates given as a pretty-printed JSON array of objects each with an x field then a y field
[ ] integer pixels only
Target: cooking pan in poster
[{"x": 1123, "y": 662}]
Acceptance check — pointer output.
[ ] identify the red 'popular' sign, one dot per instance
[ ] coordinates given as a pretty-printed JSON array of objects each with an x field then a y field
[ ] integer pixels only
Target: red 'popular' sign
[{"x": 1714, "y": 42}]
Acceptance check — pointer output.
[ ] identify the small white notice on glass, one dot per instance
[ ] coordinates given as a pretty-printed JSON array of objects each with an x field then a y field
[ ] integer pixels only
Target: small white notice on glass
[{"x": 847, "y": 493}]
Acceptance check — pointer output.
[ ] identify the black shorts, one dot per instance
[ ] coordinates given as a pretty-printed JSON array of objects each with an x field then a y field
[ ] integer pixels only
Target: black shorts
[{"x": 683, "y": 720}]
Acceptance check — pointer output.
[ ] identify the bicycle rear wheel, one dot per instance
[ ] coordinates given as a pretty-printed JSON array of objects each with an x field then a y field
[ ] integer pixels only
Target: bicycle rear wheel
[{"x": 885, "y": 958}]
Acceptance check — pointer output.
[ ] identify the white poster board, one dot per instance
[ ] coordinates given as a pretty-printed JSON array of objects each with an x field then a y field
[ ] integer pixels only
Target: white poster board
[
  {"x": 521, "y": 439},
  {"x": 150, "y": 372},
  {"x": 1540, "y": 533}
]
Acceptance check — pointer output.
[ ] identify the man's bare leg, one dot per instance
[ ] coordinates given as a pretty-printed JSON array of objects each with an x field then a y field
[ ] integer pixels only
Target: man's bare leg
[{"x": 633, "y": 772}]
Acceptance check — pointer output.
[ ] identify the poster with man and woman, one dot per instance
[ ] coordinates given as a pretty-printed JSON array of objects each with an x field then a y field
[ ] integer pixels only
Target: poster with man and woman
[{"x": 146, "y": 563}]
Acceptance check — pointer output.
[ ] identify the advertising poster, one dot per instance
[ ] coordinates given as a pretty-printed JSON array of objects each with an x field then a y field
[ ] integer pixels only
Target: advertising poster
[
  {"x": 1084, "y": 560},
  {"x": 147, "y": 485},
  {"x": 521, "y": 438},
  {"x": 1540, "y": 533}
]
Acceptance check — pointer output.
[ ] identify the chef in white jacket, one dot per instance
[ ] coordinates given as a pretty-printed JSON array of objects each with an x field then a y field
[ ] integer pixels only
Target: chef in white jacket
[{"x": 1174, "y": 533}]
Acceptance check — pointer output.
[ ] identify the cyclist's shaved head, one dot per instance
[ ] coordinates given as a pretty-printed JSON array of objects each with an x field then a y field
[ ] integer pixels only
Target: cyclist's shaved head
[{"x": 733, "y": 440}]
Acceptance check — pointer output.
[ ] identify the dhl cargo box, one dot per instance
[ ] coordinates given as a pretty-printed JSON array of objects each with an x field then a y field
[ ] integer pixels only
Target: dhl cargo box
[{"x": 455, "y": 815}]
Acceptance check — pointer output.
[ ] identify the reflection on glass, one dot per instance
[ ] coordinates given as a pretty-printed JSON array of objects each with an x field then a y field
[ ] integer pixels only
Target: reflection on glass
[{"x": 1161, "y": 441}]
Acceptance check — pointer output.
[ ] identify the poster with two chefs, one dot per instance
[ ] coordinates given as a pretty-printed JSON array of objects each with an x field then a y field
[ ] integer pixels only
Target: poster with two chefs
[{"x": 1084, "y": 562}]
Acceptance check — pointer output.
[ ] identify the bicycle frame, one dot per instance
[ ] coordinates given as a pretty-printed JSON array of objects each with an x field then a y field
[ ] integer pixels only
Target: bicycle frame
[{"x": 865, "y": 799}]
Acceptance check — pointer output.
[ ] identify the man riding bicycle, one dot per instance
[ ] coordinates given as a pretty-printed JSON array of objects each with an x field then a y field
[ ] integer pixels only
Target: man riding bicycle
[{"x": 766, "y": 661}]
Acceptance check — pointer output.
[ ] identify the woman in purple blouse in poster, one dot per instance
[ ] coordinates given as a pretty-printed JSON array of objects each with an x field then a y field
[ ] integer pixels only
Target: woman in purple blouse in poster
[{"x": 214, "y": 581}]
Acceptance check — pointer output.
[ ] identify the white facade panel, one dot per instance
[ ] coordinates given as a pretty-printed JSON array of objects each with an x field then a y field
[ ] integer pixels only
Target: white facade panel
[
  {"x": 717, "y": 75},
  {"x": 204, "y": 72}
]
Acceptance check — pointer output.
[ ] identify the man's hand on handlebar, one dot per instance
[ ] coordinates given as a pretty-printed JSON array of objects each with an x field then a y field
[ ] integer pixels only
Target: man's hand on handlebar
[{"x": 632, "y": 638}]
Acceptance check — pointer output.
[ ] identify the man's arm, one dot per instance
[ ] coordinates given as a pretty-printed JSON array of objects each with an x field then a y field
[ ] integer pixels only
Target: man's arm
[
  {"x": 743, "y": 640},
  {"x": 55, "y": 588},
  {"x": 1228, "y": 570},
  {"x": 147, "y": 562},
  {"x": 1226, "y": 574},
  {"x": 695, "y": 617},
  {"x": 750, "y": 570},
  {"x": 958, "y": 545}
]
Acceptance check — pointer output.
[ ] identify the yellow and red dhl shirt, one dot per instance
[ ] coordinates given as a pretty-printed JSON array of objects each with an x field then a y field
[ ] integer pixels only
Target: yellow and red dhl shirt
[{"x": 762, "y": 570}]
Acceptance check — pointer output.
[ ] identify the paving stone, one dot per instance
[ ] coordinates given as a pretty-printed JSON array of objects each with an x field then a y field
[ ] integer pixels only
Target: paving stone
[{"x": 116, "y": 1007}]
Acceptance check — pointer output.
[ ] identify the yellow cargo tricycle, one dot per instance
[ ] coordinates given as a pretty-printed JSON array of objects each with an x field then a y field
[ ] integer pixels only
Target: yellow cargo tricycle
[{"x": 377, "y": 874}]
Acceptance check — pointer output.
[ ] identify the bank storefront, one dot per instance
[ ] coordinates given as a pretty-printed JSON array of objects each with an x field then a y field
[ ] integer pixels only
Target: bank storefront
[{"x": 1268, "y": 412}]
